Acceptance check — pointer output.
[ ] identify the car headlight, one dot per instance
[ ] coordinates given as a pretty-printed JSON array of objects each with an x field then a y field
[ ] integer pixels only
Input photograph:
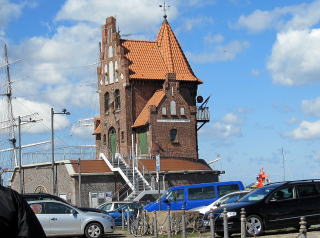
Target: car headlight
[{"x": 229, "y": 214}]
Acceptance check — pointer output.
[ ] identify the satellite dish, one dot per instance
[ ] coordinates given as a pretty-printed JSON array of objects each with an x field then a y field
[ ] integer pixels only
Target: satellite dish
[{"x": 199, "y": 99}]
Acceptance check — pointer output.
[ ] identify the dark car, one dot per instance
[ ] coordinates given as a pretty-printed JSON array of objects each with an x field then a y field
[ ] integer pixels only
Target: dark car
[{"x": 277, "y": 205}]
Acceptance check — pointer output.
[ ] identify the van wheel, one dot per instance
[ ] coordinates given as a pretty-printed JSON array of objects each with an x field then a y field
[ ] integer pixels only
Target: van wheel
[
  {"x": 93, "y": 230},
  {"x": 254, "y": 225}
]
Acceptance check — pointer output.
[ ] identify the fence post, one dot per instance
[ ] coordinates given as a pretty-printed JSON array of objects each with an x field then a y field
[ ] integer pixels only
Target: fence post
[
  {"x": 155, "y": 224},
  {"x": 212, "y": 225},
  {"x": 169, "y": 223},
  {"x": 183, "y": 221},
  {"x": 144, "y": 222},
  {"x": 122, "y": 219},
  {"x": 225, "y": 223},
  {"x": 303, "y": 228},
  {"x": 128, "y": 221},
  {"x": 243, "y": 223}
]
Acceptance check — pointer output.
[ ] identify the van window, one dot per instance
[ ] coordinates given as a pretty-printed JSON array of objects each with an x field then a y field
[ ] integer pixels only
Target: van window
[
  {"x": 176, "y": 195},
  {"x": 306, "y": 190},
  {"x": 201, "y": 193},
  {"x": 225, "y": 189}
]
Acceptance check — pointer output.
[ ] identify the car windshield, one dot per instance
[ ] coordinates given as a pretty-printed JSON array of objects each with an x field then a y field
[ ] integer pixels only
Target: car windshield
[{"x": 259, "y": 194}]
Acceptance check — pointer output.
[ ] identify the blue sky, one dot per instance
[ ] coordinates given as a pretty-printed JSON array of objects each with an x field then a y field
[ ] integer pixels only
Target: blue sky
[{"x": 259, "y": 61}]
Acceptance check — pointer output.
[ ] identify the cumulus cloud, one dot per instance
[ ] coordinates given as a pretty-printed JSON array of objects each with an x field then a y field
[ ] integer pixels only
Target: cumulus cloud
[
  {"x": 306, "y": 130},
  {"x": 212, "y": 39},
  {"x": 146, "y": 13},
  {"x": 82, "y": 131},
  {"x": 311, "y": 107},
  {"x": 190, "y": 23},
  {"x": 225, "y": 52},
  {"x": 227, "y": 127},
  {"x": 295, "y": 56},
  {"x": 295, "y": 17},
  {"x": 9, "y": 11},
  {"x": 41, "y": 112}
]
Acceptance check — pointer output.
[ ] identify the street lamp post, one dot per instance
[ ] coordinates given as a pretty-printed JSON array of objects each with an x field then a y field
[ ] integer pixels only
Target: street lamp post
[{"x": 54, "y": 181}]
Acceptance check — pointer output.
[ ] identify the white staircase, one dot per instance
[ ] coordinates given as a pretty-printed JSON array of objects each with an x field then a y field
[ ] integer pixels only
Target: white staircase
[{"x": 131, "y": 174}]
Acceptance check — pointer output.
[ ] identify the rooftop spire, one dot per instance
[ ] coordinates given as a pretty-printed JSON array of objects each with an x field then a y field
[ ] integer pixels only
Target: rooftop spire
[{"x": 165, "y": 8}]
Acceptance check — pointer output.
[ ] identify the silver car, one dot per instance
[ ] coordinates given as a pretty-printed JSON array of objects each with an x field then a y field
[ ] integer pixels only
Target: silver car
[{"x": 60, "y": 219}]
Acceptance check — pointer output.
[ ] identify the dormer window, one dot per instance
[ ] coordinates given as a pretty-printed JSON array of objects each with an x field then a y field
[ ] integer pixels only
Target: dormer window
[
  {"x": 173, "y": 110},
  {"x": 164, "y": 111},
  {"x": 182, "y": 113}
]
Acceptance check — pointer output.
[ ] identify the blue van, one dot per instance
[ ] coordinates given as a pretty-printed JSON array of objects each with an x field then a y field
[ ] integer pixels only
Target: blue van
[{"x": 195, "y": 195}]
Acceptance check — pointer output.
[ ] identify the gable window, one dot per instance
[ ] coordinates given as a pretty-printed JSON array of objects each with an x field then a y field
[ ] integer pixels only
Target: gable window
[
  {"x": 106, "y": 74},
  {"x": 173, "y": 110},
  {"x": 164, "y": 111},
  {"x": 111, "y": 72},
  {"x": 173, "y": 135},
  {"x": 106, "y": 102},
  {"x": 117, "y": 99},
  {"x": 116, "y": 71},
  {"x": 182, "y": 113}
]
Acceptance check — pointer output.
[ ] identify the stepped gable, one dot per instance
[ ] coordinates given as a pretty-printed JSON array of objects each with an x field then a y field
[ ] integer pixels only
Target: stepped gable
[
  {"x": 91, "y": 166},
  {"x": 144, "y": 116},
  {"x": 155, "y": 59}
]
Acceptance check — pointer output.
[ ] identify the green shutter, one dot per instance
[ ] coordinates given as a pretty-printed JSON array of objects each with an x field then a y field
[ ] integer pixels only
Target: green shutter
[{"x": 143, "y": 143}]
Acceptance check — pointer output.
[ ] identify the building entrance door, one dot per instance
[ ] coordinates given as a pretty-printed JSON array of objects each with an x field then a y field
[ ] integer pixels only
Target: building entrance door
[{"x": 112, "y": 141}]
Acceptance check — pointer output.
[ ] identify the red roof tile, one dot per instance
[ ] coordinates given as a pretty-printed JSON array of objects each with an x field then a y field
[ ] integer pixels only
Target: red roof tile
[
  {"x": 144, "y": 116},
  {"x": 91, "y": 166},
  {"x": 155, "y": 59}
]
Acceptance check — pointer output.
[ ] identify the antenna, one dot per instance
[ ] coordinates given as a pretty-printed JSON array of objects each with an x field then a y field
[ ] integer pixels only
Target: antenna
[{"x": 165, "y": 9}]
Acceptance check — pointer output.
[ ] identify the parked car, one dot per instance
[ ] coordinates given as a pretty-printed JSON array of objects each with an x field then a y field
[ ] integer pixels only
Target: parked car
[
  {"x": 47, "y": 196},
  {"x": 126, "y": 209},
  {"x": 61, "y": 219},
  {"x": 276, "y": 205},
  {"x": 195, "y": 195},
  {"x": 110, "y": 206},
  {"x": 226, "y": 199}
]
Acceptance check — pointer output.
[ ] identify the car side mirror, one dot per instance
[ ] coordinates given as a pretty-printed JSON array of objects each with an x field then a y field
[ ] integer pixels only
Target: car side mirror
[
  {"x": 273, "y": 200},
  {"x": 74, "y": 212},
  {"x": 218, "y": 204}
]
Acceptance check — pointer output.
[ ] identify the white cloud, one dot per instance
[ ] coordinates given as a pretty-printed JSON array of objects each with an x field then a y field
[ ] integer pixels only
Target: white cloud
[
  {"x": 295, "y": 58},
  {"x": 82, "y": 131},
  {"x": 225, "y": 52},
  {"x": 295, "y": 17},
  {"x": 227, "y": 127},
  {"x": 311, "y": 107},
  {"x": 146, "y": 13},
  {"x": 306, "y": 130},
  {"x": 9, "y": 11},
  {"x": 190, "y": 23},
  {"x": 212, "y": 39},
  {"x": 292, "y": 120},
  {"x": 22, "y": 107}
]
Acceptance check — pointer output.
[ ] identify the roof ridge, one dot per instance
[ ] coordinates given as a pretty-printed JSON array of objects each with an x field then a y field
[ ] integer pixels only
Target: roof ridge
[{"x": 145, "y": 41}]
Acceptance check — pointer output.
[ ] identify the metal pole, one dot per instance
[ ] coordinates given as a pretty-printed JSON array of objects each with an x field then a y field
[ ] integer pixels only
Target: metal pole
[
  {"x": 243, "y": 223},
  {"x": 303, "y": 228},
  {"x": 79, "y": 179},
  {"x": 52, "y": 153},
  {"x": 212, "y": 226},
  {"x": 128, "y": 221},
  {"x": 169, "y": 223},
  {"x": 20, "y": 165},
  {"x": 122, "y": 219},
  {"x": 155, "y": 224},
  {"x": 183, "y": 221},
  {"x": 225, "y": 224}
]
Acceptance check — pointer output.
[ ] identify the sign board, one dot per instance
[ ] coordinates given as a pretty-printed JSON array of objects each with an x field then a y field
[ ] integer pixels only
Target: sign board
[{"x": 158, "y": 162}]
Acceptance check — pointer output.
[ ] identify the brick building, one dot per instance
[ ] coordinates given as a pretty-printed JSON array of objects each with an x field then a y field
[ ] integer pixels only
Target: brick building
[{"x": 147, "y": 93}]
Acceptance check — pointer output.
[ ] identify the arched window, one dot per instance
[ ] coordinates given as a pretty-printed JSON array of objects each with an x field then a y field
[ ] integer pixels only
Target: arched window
[
  {"x": 117, "y": 103},
  {"x": 173, "y": 110},
  {"x": 112, "y": 140},
  {"x": 106, "y": 102},
  {"x": 173, "y": 135}
]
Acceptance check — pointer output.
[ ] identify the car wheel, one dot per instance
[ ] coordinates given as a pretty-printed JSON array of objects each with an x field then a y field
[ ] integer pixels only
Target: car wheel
[
  {"x": 254, "y": 225},
  {"x": 94, "y": 230}
]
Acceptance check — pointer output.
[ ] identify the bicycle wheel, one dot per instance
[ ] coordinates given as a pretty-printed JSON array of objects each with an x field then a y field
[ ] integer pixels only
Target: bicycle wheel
[{"x": 139, "y": 227}]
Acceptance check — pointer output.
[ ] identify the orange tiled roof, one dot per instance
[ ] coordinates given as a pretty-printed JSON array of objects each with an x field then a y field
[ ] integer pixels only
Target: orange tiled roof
[
  {"x": 91, "y": 166},
  {"x": 144, "y": 116},
  {"x": 155, "y": 59},
  {"x": 175, "y": 165},
  {"x": 97, "y": 130}
]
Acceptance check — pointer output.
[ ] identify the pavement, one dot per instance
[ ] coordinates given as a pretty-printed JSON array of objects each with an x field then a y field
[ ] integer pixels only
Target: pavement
[{"x": 313, "y": 232}]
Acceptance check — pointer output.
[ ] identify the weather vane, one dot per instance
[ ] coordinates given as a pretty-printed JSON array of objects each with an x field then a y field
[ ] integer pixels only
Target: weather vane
[{"x": 165, "y": 8}]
